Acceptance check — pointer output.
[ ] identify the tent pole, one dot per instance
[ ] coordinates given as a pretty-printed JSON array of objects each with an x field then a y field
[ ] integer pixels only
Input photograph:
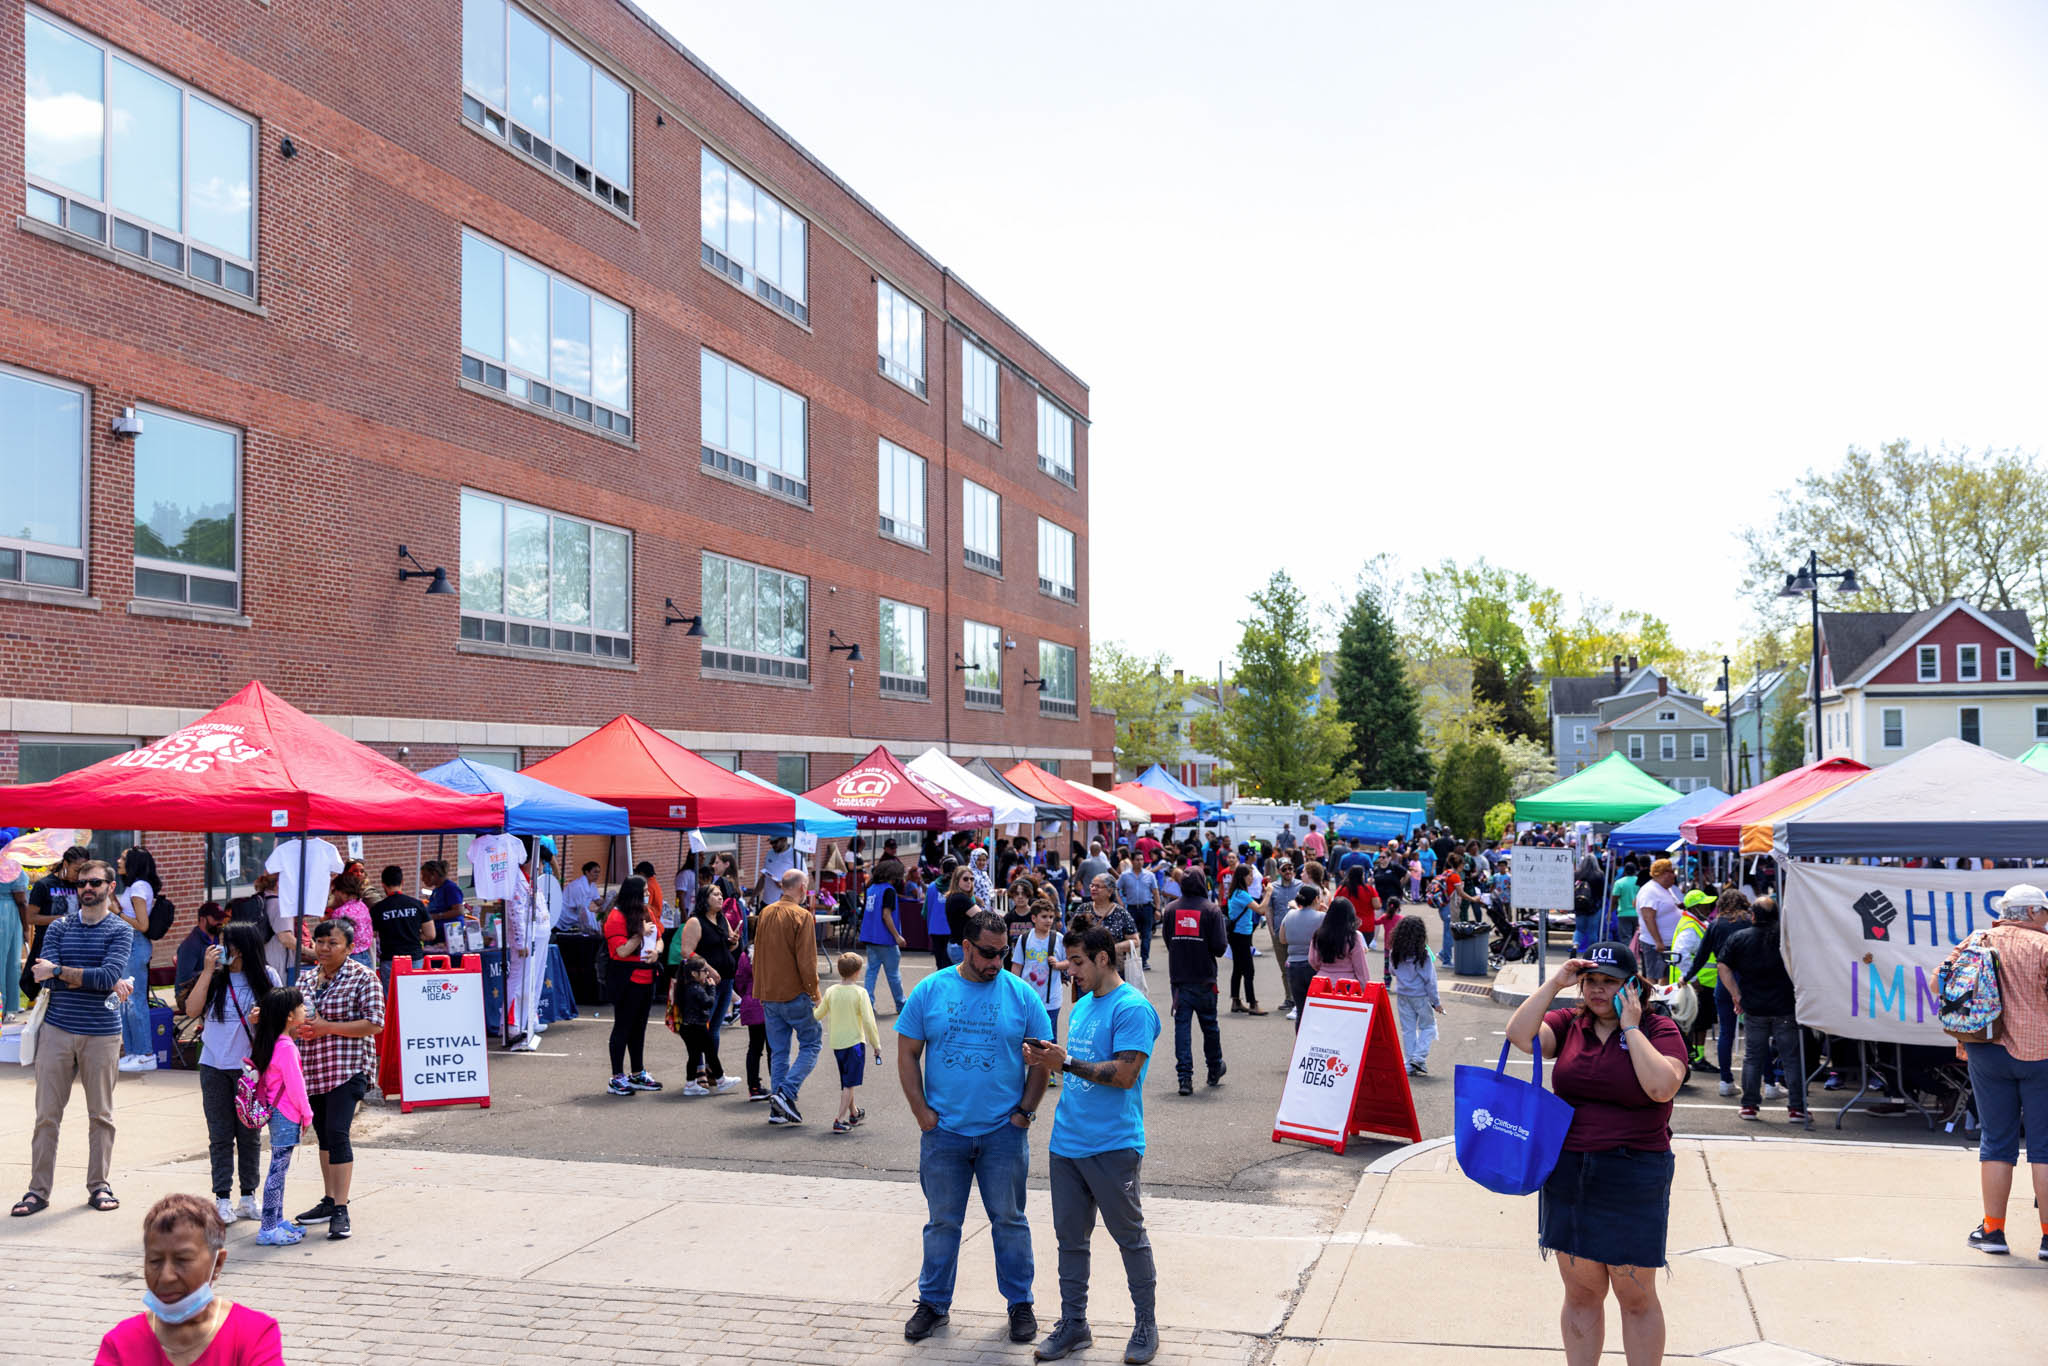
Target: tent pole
[{"x": 299, "y": 909}]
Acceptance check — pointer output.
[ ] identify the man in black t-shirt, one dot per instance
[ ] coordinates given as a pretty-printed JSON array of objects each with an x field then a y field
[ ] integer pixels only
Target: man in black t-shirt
[
  {"x": 398, "y": 918},
  {"x": 1752, "y": 967}
]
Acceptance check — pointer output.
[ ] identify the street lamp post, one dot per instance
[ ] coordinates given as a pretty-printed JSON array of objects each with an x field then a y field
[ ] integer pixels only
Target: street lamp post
[
  {"x": 1728, "y": 721},
  {"x": 1806, "y": 580}
]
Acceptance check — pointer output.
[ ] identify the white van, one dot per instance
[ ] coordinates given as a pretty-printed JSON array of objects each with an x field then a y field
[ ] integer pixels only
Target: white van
[{"x": 1256, "y": 818}]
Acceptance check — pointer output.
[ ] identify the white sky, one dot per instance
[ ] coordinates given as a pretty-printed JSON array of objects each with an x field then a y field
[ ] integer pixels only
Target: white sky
[{"x": 1578, "y": 286}]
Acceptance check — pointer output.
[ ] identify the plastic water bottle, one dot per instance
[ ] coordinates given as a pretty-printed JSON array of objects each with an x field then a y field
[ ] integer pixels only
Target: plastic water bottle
[{"x": 114, "y": 1001}]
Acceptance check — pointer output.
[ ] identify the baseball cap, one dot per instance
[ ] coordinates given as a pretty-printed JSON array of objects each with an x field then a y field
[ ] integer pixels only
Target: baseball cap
[
  {"x": 1611, "y": 958},
  {"x": 2018, "y": 896},
  {"x": 1697, "y": 898}
]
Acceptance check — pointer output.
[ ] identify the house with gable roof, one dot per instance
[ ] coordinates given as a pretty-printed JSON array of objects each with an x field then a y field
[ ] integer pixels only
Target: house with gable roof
[
  {"x": 1595, "y": 716},
  {"x": 1893, "y": 683}
]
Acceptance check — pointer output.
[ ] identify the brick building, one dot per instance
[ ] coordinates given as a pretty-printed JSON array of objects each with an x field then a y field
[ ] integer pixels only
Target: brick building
[{"x": 533, "y": 293}]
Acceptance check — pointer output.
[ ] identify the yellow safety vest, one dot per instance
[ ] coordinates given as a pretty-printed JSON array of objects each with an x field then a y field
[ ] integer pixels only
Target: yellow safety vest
[{"x": 1708, "y": 975}]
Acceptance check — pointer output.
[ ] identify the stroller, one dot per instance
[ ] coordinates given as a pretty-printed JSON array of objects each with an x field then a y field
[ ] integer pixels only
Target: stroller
[{"x": 1513, "y": 940}]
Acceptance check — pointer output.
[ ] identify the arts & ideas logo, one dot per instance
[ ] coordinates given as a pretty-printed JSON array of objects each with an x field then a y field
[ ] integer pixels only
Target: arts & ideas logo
[
  {"x": 443, "y": 990},
  {"x": 1322, "y": 1067}
]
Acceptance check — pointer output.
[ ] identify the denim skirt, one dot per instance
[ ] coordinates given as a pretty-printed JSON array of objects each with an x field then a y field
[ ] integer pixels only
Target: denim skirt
[{"x": 1612, "y": 1207}]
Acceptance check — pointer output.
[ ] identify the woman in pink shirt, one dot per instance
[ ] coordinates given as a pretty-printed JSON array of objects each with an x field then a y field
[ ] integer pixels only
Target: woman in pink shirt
[
  {"x": 345, "y": 902},
  {"x": 184, "y": 1323},
  {"x": 1338, "y": 949}
]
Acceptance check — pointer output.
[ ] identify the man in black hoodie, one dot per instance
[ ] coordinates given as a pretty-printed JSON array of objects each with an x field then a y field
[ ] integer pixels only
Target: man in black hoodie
[{"x": 1195, "y": 939}]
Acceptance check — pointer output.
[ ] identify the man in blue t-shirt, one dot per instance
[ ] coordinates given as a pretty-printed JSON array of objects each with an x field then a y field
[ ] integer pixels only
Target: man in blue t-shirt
[
  {"x": 1098, "y": 1141},
  {"x": 960, "y": 1055}
]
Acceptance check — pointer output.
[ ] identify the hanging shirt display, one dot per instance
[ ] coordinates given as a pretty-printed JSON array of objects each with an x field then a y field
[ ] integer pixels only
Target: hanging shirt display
[
  {"x": 323, "y": 861},
  {"x": 494, "y": 864}
]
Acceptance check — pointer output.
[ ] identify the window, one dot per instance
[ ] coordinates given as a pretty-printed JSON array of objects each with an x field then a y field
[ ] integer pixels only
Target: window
[
  {"x": 756, "y": 620},
  {"x": 1893, "y": 722},
  {"x": 42, "y": 463},
  {"x": 793, "y": 772},
  {"x": 542, "y": 581},
  {"x": 2041, "y": 723},
  {"x": 1967, "y": 670},
  {"x": 1667, "y": 747},
  {"x": 1056, "y": 561},
  {"x": 752, "y": 238},
  {"x": 187, "y": 487},
  {"x": 42, "y": 761},
  {"x": 2005, "y": 664},
  {"x": 901, "y": 481},
  {"x": 1578, "y": 735},
  {"x": 903, "y": 649},
  {"x": 1667, "y": 716},
  {"x": 982, "y": 653},
  {"x": 1059, "y": 696},
  {"x": 1055, "y": 441},
  {"x": 1969, "y": 725},
  {"x": 1635, "y": 747},
  {"x": 729, "y": 760},
  {"x": 556, "y": 107},
  {"x": 1930, "y": 663},
  {"x": 899, "y": 338},
  {"x": 545, "y": 339},
  {"x": 981, "y": 402},
  {"x": 982, "y": 527},
  {"x": 115, "y": 145},
  {"x": 752, "y": 428},
  {"x": 1699, "y": 746}
]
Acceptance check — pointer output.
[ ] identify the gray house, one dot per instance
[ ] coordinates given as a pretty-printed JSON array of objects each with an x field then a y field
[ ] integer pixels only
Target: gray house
[
  {"x": 1666, "y": 734},
  {"x": 1752, "y": 707},
  {"x": 1580, "y": 706}
]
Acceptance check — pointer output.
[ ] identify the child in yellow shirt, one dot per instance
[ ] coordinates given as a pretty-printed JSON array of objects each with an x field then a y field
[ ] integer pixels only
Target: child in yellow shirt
[{"x": 853, "y": 1034}]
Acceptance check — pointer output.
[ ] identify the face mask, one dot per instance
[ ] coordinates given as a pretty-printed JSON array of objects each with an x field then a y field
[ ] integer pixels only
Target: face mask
[{"x": 179, "y": 1310}]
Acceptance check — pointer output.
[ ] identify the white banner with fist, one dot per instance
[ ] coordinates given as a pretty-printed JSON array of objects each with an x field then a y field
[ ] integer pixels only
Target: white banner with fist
[{"x": 1864, "y": 944}]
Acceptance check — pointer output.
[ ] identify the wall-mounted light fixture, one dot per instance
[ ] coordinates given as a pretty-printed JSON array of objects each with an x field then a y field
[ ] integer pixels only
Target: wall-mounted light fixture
[
  {"x": 1031, "y": 682},
  {"x": 960, "y": 664},
  {"x": 438, "y": 585},
  {"x": 673, "y": 616},
  {"x": 837, "y": 645},
  {"x": 287, "y": 149},
  {"x": 128, "y": 422}
]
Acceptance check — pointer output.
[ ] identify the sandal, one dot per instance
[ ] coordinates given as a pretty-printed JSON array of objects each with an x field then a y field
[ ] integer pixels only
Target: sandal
[
  {"x": 102, "y": 1200},
  {"x": 29, "y": 1204}
]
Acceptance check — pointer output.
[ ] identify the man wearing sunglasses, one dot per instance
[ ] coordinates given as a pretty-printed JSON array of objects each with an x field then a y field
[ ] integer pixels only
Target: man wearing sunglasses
[
  {"x": 83, "y": 961},
  {"x": 960, "y": 1053}
]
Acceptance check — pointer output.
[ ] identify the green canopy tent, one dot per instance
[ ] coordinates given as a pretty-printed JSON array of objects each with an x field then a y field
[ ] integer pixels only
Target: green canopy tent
[
  {"x": 2037, "y": 757},
  {"x": 1612, "y": 790}
]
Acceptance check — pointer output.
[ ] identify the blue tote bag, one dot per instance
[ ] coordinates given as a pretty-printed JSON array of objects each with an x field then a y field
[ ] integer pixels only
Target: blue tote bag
[{"x": 1509, "y": 1131}]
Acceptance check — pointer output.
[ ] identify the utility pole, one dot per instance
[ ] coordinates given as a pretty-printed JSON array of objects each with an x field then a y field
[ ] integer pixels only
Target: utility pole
[{"x": 1728, "y": 721}]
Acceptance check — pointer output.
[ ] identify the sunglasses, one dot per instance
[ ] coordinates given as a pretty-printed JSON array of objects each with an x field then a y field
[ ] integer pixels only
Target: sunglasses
[
  {"x": 95, "y": 882},
  {"x": 995, "y": 953}
]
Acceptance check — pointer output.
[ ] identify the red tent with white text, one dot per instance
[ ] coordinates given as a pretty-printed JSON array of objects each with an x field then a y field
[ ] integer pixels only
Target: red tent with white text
[
  {"x": 881, "y": 794},
  {"x": 662, "y": 785}
]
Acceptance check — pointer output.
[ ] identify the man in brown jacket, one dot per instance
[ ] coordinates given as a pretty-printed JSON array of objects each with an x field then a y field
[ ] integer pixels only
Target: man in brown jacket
[{"x": 786, "y": 985}]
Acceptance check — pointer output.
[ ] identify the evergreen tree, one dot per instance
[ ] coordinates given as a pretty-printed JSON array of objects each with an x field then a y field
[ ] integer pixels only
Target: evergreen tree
[
  {"x": 1474, "y": 780},
  {"x": 1788, "y": 733},
  {"x": 1513, "y": 694},
  {"x": 1279, "y": 738},
  {"x": 1375, "y": 696}
]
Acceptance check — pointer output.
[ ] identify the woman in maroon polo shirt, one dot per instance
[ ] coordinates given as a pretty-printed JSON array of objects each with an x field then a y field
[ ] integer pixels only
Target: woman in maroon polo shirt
[{"x": 1605, "y": 1208}]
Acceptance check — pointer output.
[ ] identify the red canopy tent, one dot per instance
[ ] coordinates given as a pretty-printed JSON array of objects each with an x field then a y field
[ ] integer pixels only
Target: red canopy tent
[
  {"x": 1035, "y": 782},
  {"x": 254, "y": 763},
  {"x": 662, "y": 785},
  {"x": 881, "y": 794},
  {"x": 1721, "y": 828},
  {"x": 1158, "y": 805}
]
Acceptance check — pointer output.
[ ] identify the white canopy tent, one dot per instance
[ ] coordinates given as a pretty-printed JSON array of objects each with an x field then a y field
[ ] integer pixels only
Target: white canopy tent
[{"x": 1007, "y": 807}]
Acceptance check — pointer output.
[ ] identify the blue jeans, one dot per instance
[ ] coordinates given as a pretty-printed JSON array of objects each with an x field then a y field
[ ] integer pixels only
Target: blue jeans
[
  {"x": 10, "y": 955},
  {"x": 2010, "y": 1095},
  {"x": 1144, "y": 915},
  {"x": 1724, "y": 1030},
  {"x": 721, "y": 1007},
  {"x": 885, "y": 958},
  {"x": 135, "y": 1039},
  {"x": 1443, "y": 913},
  {"x": 998, "y": 1162},
  {"x": 1585, "y": 931},
  {"x": 1195, "y": 1002},
  {"x": 784, "y": 1018}
]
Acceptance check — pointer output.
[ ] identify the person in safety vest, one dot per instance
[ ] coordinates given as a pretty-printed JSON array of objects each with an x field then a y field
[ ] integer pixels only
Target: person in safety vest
[{"x": 1692, "y": 968}]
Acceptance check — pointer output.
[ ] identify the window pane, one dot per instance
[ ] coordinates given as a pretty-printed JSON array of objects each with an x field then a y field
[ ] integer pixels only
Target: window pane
[
  {"x": 572, "y": 102},
  {"x": 739, "y": 605},
  {"x": 42, "y": 461},
  {"x": 148, "y": 165},
  {"x": 612, "y": 136},
  {"x": 610, "y": 355},
  {"x": 483, "y": 49},
  {"x": 913, "y": 359},
  {"x": 712, "y": 204},
  {"x": 611, "y": 579},
  {"x": 795, "y": 595},
  {"x": 792, "y": 772},
  {"x": 767, "y": 424},
  {"x": 713, "y": 593},
  {"x": 792, "y": 256},
  {"x": 526, "y": 563},
  {"x": 530, "y": 44},
  {"x": 217, "y": 191},
  {"x": 767, "y": 236},
  {"x": 66, "y": 109},
  {"x": 739, "y": 418},
  {"x": 526, "y": 317},
  {"x": 483, "y": 554},
  {"x": 570, "y": 362},
  {"x": 185, "y": 493},
  {"x": 768, "y": 612},
  {"x": 793, "y": 435},
  {"x": 571, "y": 577},
  {"x": 711, "y": 405},
  {"x": 739, "y": 226},
  {"x": 483, "y": 298}
]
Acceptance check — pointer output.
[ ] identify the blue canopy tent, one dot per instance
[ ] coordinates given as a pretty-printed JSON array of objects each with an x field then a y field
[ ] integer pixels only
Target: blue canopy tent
[
  {"x": 1159, "y": 780},
  {"x": 811, "y": 818},
  {"x": 1656, "y": 831},
  {"x": 1349, "y": 821},
  {"x": 532, "y": 807}
]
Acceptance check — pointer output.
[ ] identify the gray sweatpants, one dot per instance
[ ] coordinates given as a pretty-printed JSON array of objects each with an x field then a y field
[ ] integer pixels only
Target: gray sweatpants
[{"x": 1107, "y": 1182}]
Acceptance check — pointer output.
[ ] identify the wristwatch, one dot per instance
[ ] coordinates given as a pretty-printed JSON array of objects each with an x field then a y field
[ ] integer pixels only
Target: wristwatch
[{"x": 1029, "y": 1115}]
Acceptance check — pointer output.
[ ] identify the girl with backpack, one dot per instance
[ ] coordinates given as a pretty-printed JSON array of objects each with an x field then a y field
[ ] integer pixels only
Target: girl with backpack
[
  {"x": 233, "y": 981},
  {"x": 273, "y": 1091},
  {"x": 139, "y": 884}
]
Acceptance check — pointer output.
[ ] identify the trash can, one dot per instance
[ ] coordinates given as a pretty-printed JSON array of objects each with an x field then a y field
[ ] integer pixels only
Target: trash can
[{"x": 1468, "y": 948}]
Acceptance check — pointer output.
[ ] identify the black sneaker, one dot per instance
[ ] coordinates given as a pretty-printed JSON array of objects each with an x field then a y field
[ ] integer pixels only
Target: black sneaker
[
  {"x": 1023, "y": 1323},
  {"x": 1187, "y": 1086},
  {"x": 337, "y": 1224},
  {"x": 2043, "y": 1253},
  {"x": 1144, "y": 1343},
  {"x": 1216, "y": 1077},
  {"x": 1986, "y": 1240},
  {"x": 319, "y": 1214},
  {"x": 1068, "y": 1335},
  {"x": 924, "y": 1320},
  {"x": 787, "y": 1110}
]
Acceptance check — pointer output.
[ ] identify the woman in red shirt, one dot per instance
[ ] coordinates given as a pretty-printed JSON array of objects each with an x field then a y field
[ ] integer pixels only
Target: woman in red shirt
[
  {"x": 1365, "y": 902},
  {"x": 631, "y": 944},
  {"x": 1605, "y": 1208}
]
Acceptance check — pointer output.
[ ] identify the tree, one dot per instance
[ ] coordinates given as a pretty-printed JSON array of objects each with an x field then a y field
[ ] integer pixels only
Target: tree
[
  {"x": 1474, "y": 780},
  {"x": 1513, "y": 698},
  {"x": 1277, "y": 736},
  {"x": 1475, "y": 611},
  {"x": 1147, "y": 702},
  {"x": 1498, "y": 819},
  {"x": 1531, "y": 767},
  {"x": 1375, "y": 697},
  {"x": 1788, "y": 731}
]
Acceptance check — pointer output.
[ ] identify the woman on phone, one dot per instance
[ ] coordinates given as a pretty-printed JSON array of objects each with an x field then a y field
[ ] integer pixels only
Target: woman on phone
[
  {"x": 232, "y": 982},
  {"x": 631, "y": 941},
  {"x": 1605, "y": 1208}
]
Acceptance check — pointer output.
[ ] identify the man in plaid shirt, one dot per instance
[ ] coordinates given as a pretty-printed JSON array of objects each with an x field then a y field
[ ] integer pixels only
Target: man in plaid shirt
[{"x": 344, "y": 1011}]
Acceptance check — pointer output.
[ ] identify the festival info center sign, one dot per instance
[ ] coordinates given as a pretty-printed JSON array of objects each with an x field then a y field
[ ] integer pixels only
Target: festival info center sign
[
  {"x": 437, "y": 1019},
  {"x": 1864, "y": 944},
  {"x": 1347, "y": 1075}
]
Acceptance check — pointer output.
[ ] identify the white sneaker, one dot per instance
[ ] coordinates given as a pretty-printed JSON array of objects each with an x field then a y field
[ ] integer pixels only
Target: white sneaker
[
  {"x": 691, "y": 1088},
  {"x": 249, "y": 1208},
  {"x": 1729, "y": 1088},
  {"x": 144, "y": 1062},
  {"x": 726, "y": 1084},
  {"x": 1773, "y": 1091},
  {"x": 225, "y": 1210},
  {"x": 1290, "y": 1014}
]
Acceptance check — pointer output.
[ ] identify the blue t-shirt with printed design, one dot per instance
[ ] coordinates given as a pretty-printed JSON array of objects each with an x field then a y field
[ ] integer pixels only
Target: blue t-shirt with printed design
[
  {"x": 973, "y": 1034},
  {"x": 1092, "y": 1118}
]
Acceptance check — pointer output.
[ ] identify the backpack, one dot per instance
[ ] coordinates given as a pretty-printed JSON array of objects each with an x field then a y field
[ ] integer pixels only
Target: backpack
[
  {"x": 160, "y": 917},
  {"x": 251, "y": 1112},
  {"x": 1966, "y": 990}
]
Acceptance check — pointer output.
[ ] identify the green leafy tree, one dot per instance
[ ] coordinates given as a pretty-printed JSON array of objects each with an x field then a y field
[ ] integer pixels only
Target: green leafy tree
[
  {"x": 1377, "y": 700},
  {"x": 1512, "y": 697},
  {"x": 1788, "y": 731},
  {"x": 1278, "y": 737},
  {"x": 1147, "y": 702},
  {"x": 1531, "y": 767},
  {"x": 1474, "y": 781},
  {"x": 1498, "y": 819}
]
